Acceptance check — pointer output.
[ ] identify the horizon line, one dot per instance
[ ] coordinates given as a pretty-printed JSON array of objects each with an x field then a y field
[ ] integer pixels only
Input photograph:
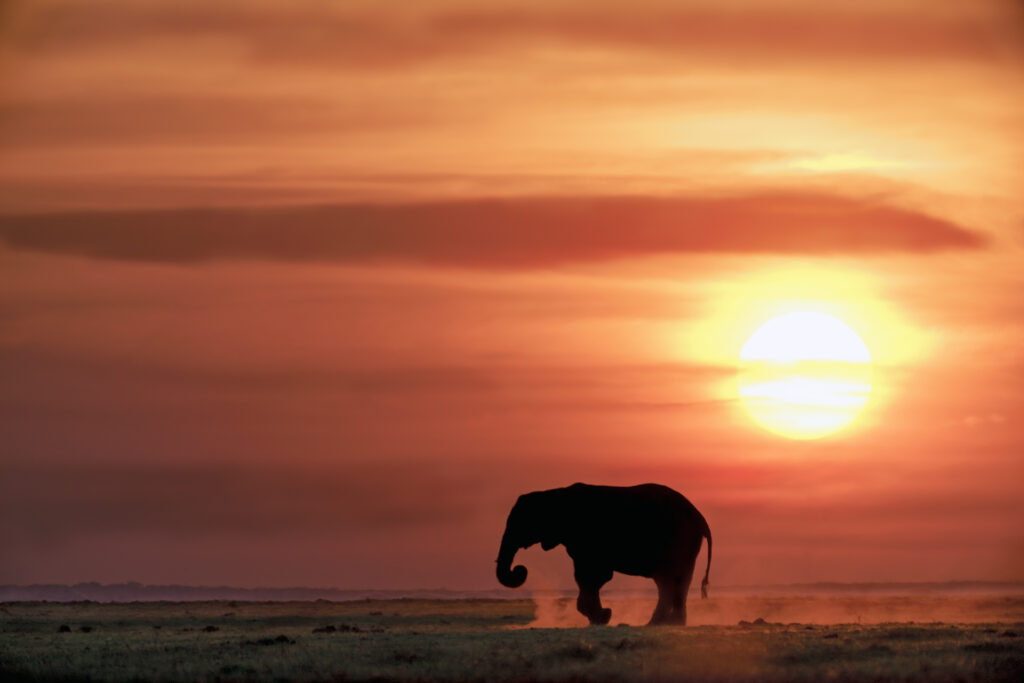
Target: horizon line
[{"x": 445, "y": 589}]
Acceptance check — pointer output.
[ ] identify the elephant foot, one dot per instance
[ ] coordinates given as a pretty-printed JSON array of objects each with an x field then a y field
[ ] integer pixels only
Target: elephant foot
[{"x": 602, "y": 617}]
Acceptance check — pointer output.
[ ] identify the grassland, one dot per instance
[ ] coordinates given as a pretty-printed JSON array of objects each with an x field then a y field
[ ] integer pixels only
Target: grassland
[{"x": 474, "y": 640}]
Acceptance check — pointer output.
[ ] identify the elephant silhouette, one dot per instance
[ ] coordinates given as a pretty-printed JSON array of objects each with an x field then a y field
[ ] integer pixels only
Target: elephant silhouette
[{"x": 646, "y": 530}]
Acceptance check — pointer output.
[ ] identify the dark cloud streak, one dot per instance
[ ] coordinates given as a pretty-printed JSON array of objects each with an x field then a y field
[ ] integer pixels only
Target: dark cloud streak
[
  {"x": 53, "y": 503},
  {"x": 366, "y": 37},
  {"x": 143, "y": 118},
  {"x": 495, "y": 233}
]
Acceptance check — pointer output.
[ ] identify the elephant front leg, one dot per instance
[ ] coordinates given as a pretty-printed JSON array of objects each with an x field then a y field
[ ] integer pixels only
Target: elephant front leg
[{"x": 588, "y": 603}]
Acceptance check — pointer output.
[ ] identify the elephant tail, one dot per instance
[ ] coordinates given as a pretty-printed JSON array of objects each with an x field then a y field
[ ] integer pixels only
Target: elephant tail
[{"x": 704, "y": 583}]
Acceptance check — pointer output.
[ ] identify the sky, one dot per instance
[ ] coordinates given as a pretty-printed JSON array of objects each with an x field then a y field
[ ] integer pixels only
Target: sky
[{"x": 303, "y": 293}]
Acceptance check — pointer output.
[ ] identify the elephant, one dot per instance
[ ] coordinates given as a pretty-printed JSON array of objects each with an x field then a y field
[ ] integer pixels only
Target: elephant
[{"x": 647, "y": 530}]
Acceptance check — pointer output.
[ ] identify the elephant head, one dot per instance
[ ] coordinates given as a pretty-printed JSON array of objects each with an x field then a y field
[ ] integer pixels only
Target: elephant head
[{"x": 535, "y": 518}]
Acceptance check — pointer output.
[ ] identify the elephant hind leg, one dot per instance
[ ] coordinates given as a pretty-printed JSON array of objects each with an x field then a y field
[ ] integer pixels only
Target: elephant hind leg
[
  {"x": 674, "y": 585},
  {"x": 671, "y": 608},
  {"x": 663, "y": 610}
]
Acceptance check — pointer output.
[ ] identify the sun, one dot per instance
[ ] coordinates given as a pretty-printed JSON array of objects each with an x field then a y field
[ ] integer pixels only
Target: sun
[{"x": 804, "y": 375}]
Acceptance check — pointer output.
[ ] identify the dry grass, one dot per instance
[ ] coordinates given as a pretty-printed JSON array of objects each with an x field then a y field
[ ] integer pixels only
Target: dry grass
[{"x": 417, "y": 640}]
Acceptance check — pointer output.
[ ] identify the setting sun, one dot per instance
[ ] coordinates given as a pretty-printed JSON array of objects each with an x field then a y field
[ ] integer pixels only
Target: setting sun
[
  {"x": 804, "y": 375},
  {"x": 300, "y": 298}
]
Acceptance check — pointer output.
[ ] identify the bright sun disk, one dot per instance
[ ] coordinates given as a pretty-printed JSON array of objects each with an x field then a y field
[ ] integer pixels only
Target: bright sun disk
[{"x": 804, "y": 375}]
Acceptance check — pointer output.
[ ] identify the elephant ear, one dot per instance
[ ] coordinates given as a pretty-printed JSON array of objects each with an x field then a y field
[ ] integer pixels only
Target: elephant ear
[{"x": 561, "y": 515}]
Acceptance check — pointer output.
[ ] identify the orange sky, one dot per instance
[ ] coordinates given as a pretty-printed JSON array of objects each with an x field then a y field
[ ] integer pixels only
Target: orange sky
[{"x": 306, "y": 293}]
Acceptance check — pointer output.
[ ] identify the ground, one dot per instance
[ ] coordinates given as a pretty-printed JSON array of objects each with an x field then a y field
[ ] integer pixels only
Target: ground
[{"x": 473, "y": 640}]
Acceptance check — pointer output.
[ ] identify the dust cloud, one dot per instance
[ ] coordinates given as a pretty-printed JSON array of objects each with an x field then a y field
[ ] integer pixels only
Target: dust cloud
[
  {"x": 558, "y": 611},
  {"x": 632, "y": 600}
]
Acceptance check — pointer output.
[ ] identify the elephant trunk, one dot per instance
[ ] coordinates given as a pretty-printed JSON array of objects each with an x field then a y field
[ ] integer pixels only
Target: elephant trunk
[{"x": 512, "y": 577}]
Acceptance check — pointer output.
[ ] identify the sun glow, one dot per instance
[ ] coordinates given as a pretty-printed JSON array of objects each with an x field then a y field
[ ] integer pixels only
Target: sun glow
[{"x": 804, "y": 375}]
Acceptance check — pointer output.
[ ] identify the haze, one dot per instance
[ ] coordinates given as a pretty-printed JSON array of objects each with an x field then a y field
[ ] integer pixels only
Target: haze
[{"x": 300, "y": 293}]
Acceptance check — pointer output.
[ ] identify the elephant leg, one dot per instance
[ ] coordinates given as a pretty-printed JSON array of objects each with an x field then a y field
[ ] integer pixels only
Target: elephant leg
[
  {"x": 588, "y": 603},
  {"x": 673, "y": 588},
  {"x": 671, "y": 608},
  {"x": 680, "y": 589},
  {"x": 664, "y": 606}
]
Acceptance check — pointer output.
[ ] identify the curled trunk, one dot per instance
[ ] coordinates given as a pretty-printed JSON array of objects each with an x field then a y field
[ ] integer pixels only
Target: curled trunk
[{"x": 512, "y": 577}]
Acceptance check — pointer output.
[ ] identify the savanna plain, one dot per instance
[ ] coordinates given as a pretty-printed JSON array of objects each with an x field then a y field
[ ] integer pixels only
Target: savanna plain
[{"x": 730, "y": 638}]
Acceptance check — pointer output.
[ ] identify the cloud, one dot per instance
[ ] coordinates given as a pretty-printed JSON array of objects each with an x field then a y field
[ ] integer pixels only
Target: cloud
[
  {"x": 336, "y": 374},
  {"x": 756, "y": 31},
  {"x": 55, "y": 503},
  {"x": 362, "y": 35},
  {"x": 495, "y": 233},
  {"x": 142, "y": 118}
]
